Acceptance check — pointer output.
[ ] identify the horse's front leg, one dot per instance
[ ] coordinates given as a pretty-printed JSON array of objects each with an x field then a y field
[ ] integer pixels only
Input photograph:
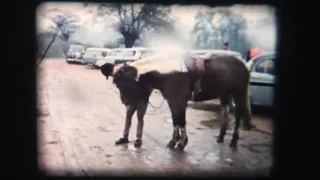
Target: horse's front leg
[
  {"x": 130, "y": 109},
  {"x": 175, "y": 135},
  {"x": 178, "y": 112},
  {"x": 141, "y": 111}
]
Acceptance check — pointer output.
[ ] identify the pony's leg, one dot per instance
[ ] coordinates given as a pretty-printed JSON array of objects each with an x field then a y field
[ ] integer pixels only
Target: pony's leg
[
  {"x": 141, "y": 111},
  {"x": 130, "y": 111},
  {"x": 178, "y": 111},
  {"x": 182, "y": 125},
  {"x": 247, "y": 116},
  {"x": 240, "y": 101},
  {"x": 231, "y": 105},
  {"x": 225, "y": 118},
  {"x": 176, "y": 134}
]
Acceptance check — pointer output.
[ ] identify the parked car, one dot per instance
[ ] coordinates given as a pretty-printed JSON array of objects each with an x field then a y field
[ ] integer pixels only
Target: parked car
[
  {"x": 114, "y": 53},
  {"x": 74, "y": 53},
  {"x": 92, "y": 55},
  {"x": 121, "y": 55},
  {"x": 263, "y": 79},
  {"x": 218, "y": 52}
]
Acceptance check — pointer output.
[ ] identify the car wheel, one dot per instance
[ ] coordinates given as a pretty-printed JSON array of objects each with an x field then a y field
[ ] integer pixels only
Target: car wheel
[{"x": 90, "y": 65}]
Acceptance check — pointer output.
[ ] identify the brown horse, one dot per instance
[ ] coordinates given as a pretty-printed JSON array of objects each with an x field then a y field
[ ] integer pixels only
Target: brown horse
[{"x": 224, "y": 77}]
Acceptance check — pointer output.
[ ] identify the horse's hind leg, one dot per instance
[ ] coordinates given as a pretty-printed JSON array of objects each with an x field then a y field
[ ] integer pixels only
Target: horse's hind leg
[
  {"x": 129, "y": 113},
  {"x": 240, "y": 101},
  {"x": 225, "y": 116},
  {"x": 182, "y": 125},
  {"x": 247, "y": 116}
]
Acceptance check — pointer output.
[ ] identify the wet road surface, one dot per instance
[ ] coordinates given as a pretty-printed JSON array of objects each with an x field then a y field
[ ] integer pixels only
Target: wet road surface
[{"x": 81, "y": 116}]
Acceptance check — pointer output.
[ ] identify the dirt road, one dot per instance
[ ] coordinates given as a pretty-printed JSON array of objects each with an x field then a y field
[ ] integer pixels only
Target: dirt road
[{"x": 81, "y": 116}]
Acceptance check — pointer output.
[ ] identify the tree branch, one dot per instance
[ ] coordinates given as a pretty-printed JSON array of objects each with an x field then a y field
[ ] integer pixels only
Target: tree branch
[{"x": 119, "y": 9}]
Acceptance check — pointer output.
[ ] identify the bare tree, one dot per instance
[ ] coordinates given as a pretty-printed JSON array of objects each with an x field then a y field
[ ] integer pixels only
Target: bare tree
[
  {"x": 64, "y": 24},
  {"x": 131, "y": 20}
]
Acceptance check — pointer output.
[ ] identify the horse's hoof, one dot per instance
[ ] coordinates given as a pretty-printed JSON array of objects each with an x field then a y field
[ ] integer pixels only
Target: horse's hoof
[
  {"x": 233, "y": 145},
  {"x": 248, "y": 127},
  {"x": 220, "y": 140},
  {"x": 137, "y": 143},
  {"x": 180, "y": 147},
  {"x": 171, "y": 144},
  {"x": 122, "y": 141}
]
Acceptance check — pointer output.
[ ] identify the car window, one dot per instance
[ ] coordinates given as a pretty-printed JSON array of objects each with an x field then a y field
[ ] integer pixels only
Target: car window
[
  {"x": 92, "y": 53},
  {"x": 201, "y": 53},
  {"x": 76, "y": 48},
  {"x": 265, "y": 66},
  {"x": 113, "y": 53},
  {"x": 118, "y": 53},
  {"x": 128, "y": 53},
  {"x": 104, "y": 53},
  {"x": 146, "y": 54}
]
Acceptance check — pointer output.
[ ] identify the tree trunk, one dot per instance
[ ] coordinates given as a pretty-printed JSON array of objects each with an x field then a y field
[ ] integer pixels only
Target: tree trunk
[
  {"x": 47, "y": 49},
  {"x": 129, "y": 41}
]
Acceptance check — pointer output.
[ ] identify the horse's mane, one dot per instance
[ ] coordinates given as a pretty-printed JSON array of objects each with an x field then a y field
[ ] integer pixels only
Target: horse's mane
[
  {"x": 161, "y": 62},
  {"x": 148, "y": 59}
]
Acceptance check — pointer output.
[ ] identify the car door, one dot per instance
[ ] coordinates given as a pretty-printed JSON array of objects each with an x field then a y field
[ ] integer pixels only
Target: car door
[{"x": 262, "y": 81}]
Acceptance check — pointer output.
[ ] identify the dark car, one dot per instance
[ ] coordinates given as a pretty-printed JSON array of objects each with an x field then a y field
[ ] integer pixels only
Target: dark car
[{"x": 75, "y": 53}]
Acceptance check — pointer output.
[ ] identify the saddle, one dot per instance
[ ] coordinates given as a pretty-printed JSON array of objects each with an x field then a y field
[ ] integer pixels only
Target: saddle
[{"x": 200, "y": 63}]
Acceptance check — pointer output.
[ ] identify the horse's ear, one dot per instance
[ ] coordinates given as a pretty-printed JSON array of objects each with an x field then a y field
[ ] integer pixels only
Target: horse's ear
[
  {"x": 107, "y": 69},
  {"x": 125, "y": 64}
]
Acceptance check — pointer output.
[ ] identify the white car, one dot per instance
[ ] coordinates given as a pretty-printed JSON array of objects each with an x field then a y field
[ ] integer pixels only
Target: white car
[
  {"x": 92, "y": 55},
  {"x": 121, "y": 55},
  {"x": 218, "y": 52},
  {"x": 263, "y": 79}
]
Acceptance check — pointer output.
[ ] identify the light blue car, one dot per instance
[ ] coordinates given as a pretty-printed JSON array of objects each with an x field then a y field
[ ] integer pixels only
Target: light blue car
[{"x": 262, "y": 80}]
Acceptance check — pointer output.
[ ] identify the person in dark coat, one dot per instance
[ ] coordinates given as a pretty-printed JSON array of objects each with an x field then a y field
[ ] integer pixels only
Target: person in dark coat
[{"x": 226, "y": 46}]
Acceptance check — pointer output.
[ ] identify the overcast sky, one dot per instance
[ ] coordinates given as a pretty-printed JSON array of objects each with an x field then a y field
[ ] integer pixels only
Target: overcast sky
[{"x": 96, "y": 33}]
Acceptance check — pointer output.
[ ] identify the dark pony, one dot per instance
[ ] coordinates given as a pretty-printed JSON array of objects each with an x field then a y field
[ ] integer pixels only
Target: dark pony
[{"x": 223, "y": 77}]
